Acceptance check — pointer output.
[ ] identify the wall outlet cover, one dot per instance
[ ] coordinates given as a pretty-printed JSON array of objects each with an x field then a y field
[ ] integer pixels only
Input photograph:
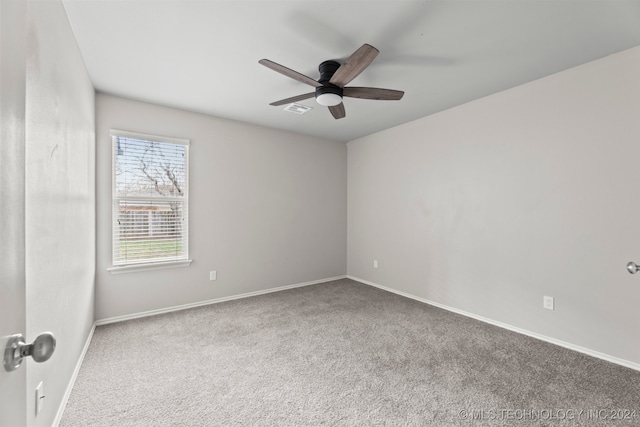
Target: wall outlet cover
[{"x": 547, "y": 303}]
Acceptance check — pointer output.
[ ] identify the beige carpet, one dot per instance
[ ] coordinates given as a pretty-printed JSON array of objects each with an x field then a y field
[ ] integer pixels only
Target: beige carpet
[{"x": 339, "y": 353}]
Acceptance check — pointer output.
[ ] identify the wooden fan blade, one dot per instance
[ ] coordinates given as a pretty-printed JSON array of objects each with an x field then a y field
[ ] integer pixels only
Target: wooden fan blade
[
  {"x": 294, "y": 99},
  {"x": 337, "y": 111},
  {"x": 357, "y": 62},
  {"x": 372, "y": 93},
  {"x": 289, "y": 72}
]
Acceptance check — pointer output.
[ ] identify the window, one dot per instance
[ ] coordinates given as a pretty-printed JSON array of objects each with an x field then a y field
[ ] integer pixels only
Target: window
[{"x": 150, "y": 201}]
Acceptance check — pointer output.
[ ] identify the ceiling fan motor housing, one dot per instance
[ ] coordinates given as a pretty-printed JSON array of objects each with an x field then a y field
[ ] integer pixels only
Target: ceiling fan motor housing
[{"x": 327, "y": 69}]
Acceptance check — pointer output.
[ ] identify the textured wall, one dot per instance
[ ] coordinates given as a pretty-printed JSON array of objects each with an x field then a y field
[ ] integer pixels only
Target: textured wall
[
  {"x": 60, "y": 200},
  {"x": 267, "y": 209},
  {"x": 489, "y": 206}
]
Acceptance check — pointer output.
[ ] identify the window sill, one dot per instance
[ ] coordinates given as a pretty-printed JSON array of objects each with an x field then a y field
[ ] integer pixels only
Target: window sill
[{"x": 151, "y": 266}]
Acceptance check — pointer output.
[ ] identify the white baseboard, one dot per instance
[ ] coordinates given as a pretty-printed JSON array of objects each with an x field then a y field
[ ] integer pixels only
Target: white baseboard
[
  {"x": 72, "y": 381},
  {"x": 211, "y": 301},
  {"x": 584, "y": 350}
]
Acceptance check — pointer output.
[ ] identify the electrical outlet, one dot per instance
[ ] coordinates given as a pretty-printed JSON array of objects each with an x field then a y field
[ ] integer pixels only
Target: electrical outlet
[
  {"x": 547, "y": 303},
  {"x": 213, "y": 275},
  {"x": 375, "y": 263},
  {"x": 39, "y": 397}
]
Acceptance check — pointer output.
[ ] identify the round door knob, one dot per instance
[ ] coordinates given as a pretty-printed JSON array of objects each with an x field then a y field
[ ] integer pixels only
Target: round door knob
[
  {"x": 632, "y": 267},
  {"x": 16, "y": 350},
  {"x": 43, "y": 347}
]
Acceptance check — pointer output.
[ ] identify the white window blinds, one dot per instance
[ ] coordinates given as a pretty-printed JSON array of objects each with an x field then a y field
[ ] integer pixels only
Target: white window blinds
[{"x": 150, "y": 199}]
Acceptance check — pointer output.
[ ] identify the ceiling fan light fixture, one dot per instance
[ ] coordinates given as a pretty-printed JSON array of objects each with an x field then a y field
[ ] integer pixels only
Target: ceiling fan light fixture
[
  {"x": 329, "y": 99},
  {"x": 328, "y": 95}
]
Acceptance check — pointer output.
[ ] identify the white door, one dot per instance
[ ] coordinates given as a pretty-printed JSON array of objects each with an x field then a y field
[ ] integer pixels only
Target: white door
[{"x": 12, "y": 190}]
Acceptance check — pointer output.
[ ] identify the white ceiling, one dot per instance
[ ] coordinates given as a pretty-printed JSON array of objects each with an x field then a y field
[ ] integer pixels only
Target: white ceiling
[{"x": 203, "y": 55}]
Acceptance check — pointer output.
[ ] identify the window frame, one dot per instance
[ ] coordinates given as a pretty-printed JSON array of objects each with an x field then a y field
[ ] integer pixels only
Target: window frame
[{"x": 145, "y": 265}]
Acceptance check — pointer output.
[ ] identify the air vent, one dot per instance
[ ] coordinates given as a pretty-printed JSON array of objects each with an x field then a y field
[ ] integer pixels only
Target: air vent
[{"x": 297, "y": 108}]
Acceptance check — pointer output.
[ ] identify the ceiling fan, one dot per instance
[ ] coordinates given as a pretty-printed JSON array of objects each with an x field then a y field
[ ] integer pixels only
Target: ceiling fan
[{"x": 331, "y": 86}]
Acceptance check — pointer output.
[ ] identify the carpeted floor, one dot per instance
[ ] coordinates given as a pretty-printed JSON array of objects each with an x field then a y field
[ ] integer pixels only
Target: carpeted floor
[{"x": 339, "y": 353}]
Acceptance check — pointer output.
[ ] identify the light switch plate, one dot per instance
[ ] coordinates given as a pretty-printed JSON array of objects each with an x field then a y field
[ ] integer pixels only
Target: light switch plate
[{"x": 39, "y": 397}]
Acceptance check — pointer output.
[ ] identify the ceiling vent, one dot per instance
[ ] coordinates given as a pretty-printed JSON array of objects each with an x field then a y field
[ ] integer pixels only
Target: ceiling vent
[{"x": 297, "y": 108}]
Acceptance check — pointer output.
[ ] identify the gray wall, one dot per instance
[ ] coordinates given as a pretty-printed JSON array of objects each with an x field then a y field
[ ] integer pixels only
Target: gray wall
[
  {"x": 60, "y": 201},
  {"x": 489, "y": 206},
  {"x": 267, "y": 209}
]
